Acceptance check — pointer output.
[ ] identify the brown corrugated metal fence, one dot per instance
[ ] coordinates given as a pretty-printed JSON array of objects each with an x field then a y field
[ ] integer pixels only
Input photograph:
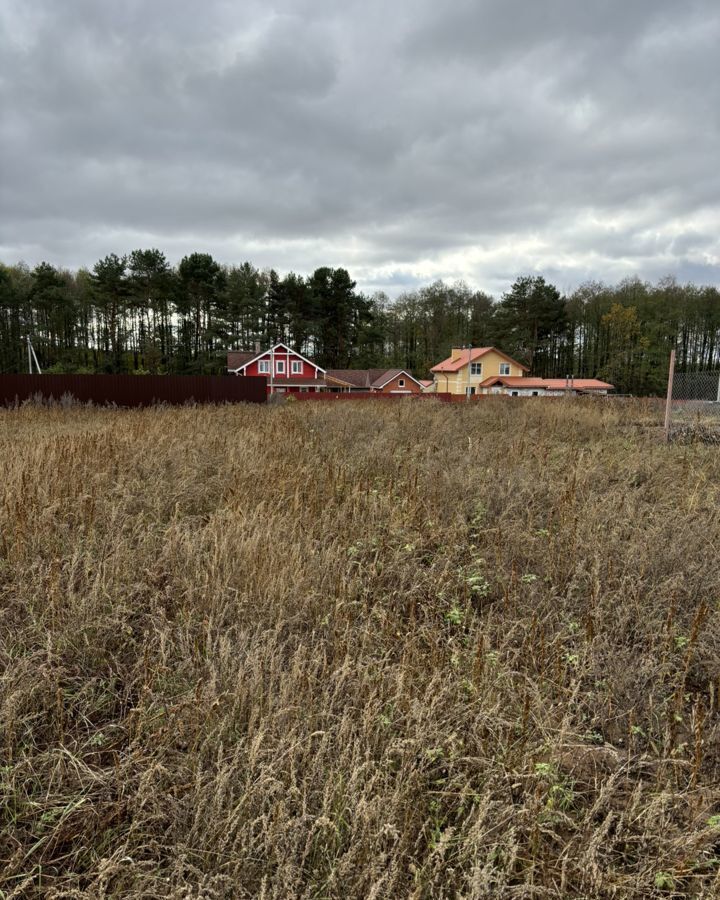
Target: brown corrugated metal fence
[{"x": 134, "y": 390}]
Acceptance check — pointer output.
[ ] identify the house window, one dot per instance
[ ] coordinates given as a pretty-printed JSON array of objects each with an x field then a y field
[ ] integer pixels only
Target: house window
[
  {"x": 264, "y": 366},
  {"x": 535, "y": 393},
  {"x": 303, "y": 390},
  {"x": 504, "y": 368},
  {"x": 476, "y": 368},
  {"x": 514, "y": 393},
  {"x": 469, "y": 391},
  {"x": 280, "y": 367},
  {"x": 401, "y": 382},
  {"x": 296, "y": 367}
]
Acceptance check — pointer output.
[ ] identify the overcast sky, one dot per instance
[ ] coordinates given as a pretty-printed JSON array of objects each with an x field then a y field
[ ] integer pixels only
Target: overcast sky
[{"x": 405, "y": 140}]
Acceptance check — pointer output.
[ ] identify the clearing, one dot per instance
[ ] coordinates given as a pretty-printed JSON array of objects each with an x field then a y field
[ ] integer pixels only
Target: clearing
[{"x": 358, "y": 650}]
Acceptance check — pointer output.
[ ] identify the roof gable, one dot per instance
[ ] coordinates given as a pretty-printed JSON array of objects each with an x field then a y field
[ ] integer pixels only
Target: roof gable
[
  {"x": 280, "y": 346},
  {"x": 390, "y": 374}
]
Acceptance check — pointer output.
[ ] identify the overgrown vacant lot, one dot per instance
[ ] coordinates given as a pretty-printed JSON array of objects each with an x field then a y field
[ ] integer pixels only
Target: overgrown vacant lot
[{"x": 358, "y": 650}]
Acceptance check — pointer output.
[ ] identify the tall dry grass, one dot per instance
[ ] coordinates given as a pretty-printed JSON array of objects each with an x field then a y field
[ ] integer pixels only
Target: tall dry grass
[{"x": 359, "y": 651}]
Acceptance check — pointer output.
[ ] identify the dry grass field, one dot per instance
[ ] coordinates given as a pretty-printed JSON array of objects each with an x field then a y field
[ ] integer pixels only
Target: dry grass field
[{"x": 358, "y": 650}]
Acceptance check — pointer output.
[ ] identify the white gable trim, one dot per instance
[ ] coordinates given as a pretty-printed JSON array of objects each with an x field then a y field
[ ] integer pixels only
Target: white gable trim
[
  {"x": 274, "y": 350},
  {"x": 397, "y": 375}
]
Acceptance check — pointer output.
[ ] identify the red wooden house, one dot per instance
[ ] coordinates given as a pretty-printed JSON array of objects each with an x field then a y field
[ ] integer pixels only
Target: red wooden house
[{"x": 286, "y": 370}]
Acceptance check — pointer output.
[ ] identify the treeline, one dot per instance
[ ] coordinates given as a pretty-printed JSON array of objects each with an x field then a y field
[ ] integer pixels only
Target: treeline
[{"x": 139, "y": 314}]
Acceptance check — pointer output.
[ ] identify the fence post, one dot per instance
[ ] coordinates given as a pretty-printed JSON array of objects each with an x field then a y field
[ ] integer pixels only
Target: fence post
[{"x": 668, "y": 401}]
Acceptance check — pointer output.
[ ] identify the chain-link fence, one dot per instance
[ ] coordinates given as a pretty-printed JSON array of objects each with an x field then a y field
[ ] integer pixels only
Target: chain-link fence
[{"x": 693, "y": 405}]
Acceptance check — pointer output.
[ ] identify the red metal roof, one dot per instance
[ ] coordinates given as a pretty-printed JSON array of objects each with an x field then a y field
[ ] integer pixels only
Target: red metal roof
[{"x": 450, "y": 365}]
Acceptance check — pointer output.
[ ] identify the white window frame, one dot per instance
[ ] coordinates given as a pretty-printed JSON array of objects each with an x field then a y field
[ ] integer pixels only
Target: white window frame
[
  {"x": 279, "y": 366},
  {"x": 401, "y": 382},
  {"x": 296, "y": 367},
  {"x": 476, "y": 368},
  {"x": 505, "y": 366},
  {"x": 264, "y": 366}
]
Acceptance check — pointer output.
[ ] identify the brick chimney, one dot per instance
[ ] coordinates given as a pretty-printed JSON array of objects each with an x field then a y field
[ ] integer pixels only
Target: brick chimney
[{"x": 456, "y": 353}]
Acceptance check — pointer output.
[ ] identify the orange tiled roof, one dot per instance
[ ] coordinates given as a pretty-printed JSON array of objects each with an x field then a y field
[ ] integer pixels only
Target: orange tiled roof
[
  {"x": 549, "y": 384},
  {"x": 579, "y": 384},
  {"x": 450, "y": 365}
]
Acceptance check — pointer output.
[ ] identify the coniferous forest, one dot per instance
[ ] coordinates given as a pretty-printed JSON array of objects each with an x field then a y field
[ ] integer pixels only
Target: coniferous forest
[{"x": 140, "y": 314}]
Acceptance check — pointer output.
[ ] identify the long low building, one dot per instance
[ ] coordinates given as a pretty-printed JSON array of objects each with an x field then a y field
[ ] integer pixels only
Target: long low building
[{"x": 542, "y": 387}]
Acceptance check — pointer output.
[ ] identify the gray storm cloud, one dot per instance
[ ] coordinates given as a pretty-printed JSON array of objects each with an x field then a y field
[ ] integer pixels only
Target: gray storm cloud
[{"x": 406, "y": 141}]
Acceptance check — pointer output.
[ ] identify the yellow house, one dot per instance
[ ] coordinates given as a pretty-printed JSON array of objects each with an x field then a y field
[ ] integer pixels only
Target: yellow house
[{"x": 465, "y": 370}]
